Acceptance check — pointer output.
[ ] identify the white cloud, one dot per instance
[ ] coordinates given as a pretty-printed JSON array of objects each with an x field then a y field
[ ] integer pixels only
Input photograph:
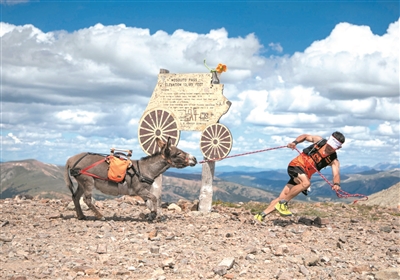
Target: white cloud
[
  {"x": 389, "y": 129},
  {"x": 15, "y": 138},
  {"x": 13, "y": 2},
  {"x": 77, "y": 116},
  {"x": 276, "y": 47},
  {"x": 87, "y": 90},
  {"x": 351, "y": 62}
]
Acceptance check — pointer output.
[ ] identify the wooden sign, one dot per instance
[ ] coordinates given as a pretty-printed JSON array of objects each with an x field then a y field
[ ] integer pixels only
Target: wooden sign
[
  {"x": 186, "y": 102},
  {"x": 192, "y": 98}
]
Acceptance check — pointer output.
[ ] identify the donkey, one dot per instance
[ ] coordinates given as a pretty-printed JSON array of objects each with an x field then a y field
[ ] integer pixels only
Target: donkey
[{"x": 138, "y": 180}]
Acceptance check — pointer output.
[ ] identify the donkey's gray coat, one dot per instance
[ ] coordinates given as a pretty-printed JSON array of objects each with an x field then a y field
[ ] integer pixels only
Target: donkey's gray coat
[{"x": 137, "y": 181}]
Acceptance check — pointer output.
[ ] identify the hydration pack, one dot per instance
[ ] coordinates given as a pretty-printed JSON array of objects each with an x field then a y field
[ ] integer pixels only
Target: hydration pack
[
  {"x": 313, "y": 148},
  {"x": 312, "y": 152}
]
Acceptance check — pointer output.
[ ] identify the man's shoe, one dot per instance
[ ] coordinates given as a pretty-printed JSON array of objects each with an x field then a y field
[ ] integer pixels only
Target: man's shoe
[
  {"x": 259, "y": 217},
  {"x": 282, "y": 208}
]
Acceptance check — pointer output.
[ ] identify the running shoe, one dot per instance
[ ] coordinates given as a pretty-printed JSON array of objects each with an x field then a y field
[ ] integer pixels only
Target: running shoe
[
  {"x": 282, "y": 208},
  {"x": 259, "y": 217}
]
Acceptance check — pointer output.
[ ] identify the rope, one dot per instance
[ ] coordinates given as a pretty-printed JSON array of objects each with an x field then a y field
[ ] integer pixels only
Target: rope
[
  {"x": 238, "y": 155},
  {"x": 339, "y": 193}
]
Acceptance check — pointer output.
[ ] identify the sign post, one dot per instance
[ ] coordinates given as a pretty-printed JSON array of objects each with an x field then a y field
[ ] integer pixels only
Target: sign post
[{"x": 193, "y": 101}]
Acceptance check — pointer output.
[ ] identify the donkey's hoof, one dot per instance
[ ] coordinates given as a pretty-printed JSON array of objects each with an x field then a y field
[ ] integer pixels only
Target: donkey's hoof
[
  {"x": 151, "y": 216},
  {"x": 82, "y": 218}
]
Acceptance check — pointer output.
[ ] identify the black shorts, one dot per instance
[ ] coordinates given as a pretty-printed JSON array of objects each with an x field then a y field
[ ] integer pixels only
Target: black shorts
[{"x": 293, "y": 172}]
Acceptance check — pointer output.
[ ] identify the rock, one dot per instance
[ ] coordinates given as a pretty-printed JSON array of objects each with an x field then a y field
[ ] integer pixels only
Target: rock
[
  {"x": 153, "y": 234},
  {"x": 155, "y": 250},
  {"x": 304, "y": 270},
  {"x": 311, "y": 261},
  {"x": 228, "y": 262},
  {"x": 305, "y": 221},
  {"x": 174, "y": 207},
  {"x": 169, "y": 262},
  {"x": 321, "y": 221},
  {"x": 101, "y": 249},
  {"x": 388, "y": 274},
  {"x": 386, "y": 229},
  {"x": 220, "y": 270}
]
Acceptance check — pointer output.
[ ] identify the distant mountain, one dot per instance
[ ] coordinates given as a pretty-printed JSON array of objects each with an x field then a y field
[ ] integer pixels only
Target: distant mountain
[
  {"x": 386, "y": 166},
  {"x": 366, "y": 183},
  {"x": 346, "y": 169},
  {"x": 37, "y": 178},
  {"x": 387, "y": 198},
  {"x": 353, "y": 169},
  {"x": 247, "y": 169},
  {"x": 32, "y": 177},
  {"x": 221, "y": 168}
]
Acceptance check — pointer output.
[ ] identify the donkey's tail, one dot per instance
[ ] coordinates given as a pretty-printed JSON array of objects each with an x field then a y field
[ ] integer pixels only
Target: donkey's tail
[
  {"x": 67, "y": 177},
  {"x": 72, "y": 171}
]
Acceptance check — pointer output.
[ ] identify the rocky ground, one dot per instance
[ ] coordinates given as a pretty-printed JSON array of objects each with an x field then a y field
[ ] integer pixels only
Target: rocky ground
[{"x": 42, "y": 239}]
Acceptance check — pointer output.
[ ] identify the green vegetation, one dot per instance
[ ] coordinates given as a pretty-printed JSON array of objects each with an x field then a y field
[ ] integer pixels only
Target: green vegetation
[{"x": 310, "y": 211}]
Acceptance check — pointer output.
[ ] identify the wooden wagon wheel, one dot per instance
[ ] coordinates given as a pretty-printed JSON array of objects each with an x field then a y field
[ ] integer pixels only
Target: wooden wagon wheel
[
  {"x": 157, "y": 123},
  {"x": 216, "y": 141}
]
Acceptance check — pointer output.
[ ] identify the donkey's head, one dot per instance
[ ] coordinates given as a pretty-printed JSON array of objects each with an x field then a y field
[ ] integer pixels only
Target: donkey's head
[{"x": 174, "y": 156}]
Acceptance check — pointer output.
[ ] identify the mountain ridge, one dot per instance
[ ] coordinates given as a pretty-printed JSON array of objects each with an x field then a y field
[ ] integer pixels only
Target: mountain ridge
[{"x": 34, "y": 177}]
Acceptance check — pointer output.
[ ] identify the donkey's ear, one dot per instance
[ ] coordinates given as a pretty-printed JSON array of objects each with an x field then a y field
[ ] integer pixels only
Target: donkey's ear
[
  {"x": 160, "y": 143},
  {"x": 169, "y": 142}
]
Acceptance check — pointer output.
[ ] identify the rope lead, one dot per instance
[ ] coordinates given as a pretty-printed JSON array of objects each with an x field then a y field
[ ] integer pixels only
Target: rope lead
[{"x": 339, "y": 193}]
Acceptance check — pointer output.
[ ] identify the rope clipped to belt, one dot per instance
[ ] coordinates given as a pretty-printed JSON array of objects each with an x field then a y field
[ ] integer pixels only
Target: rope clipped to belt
[{"x": 339, "y": 193}]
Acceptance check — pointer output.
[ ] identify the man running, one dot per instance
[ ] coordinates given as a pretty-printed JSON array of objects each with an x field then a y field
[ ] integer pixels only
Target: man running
[{"x": 320, "y": 154}]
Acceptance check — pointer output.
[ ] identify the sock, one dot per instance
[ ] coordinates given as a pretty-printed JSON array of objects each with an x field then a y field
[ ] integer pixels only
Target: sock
[{"x": 263, "y": 214}]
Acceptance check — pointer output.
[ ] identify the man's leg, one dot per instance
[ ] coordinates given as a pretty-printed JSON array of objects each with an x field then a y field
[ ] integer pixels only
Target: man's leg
[
  {"x": 302, "y": 184},
  {"x": 289, "y": 192}
]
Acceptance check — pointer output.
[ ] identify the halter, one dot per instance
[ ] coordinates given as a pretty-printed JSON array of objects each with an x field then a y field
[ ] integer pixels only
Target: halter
[{"x": 169, "y": 161}]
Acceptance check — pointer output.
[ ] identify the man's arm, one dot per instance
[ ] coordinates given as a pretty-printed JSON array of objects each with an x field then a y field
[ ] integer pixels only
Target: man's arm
[
  {"x": 302, "y": 138},
  {"x": 336, "y": 174}
]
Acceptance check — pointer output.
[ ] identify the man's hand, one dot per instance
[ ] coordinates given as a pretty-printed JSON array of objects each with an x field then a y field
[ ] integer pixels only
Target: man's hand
[
  {"x": 291, "y": 145},
  {"x": 336, "y": 187}
]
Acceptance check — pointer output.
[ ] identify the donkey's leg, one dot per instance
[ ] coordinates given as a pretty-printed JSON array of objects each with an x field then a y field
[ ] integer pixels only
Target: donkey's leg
[
  {"x": 75, "y": 198},
  {"x": 88, "y": 200},
  {"x": 147, "y": 195}
]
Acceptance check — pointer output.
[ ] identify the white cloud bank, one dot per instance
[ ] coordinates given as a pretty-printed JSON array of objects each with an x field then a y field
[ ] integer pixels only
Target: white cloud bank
[{"x": 86, "y": 90}]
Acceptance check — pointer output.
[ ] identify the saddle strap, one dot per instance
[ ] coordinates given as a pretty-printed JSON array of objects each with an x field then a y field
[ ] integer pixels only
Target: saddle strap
[{"x": 84, "y": 170}]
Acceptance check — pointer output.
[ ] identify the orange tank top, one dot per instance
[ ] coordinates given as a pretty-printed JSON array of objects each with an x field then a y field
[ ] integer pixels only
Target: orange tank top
[{"x": 312, "y": 161}]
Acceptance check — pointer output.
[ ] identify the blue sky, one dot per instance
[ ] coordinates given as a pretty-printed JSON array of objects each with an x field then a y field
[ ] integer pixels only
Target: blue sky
[
  {"x": 294, "y": 67},
  {"x": 294, "y": 24}
]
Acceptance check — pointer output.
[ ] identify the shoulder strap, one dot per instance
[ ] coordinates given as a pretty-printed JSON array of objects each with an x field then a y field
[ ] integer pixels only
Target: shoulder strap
[{"x": 314, "y": 147}]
